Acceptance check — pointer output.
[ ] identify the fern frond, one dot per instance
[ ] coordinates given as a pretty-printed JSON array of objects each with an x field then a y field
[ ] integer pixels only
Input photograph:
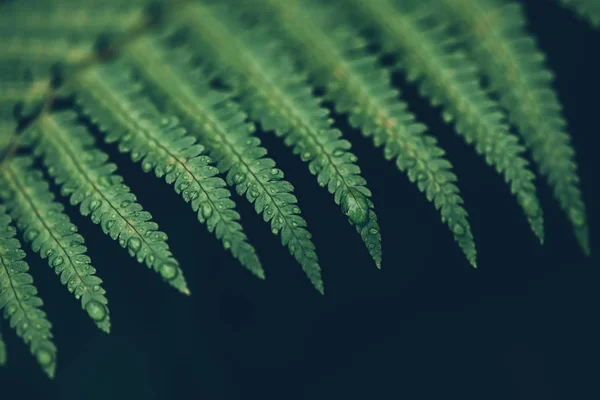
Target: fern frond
[
  {"x": 359, "y": 86},
  {"x": 496, "y": 35},
  {"x": 587, "y": 9},
  {"x": 19, "y": 301},
  {"x": 281, "y": 99},
  {"x": 222, "y": 128},
  {"x": 447, "y": 77},
  {"x": 3, "y": 356},
  {"x": 117, "y": 105},
  {"x": 42, "y": 222},
  {"x": 89, "y": 180}
]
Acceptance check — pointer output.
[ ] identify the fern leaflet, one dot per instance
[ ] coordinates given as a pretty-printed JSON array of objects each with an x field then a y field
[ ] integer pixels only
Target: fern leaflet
[
  {"x": 89, "y": 180},
  {"x": 42, "y": 222},
  {"x": 279, "y": 97},
  {"x": 358, "y": 85},
  {"x": 222, "y": 127},
  {"x": 115, "y": 103},
  {"x": 447, "y": 77},
  {"x": 19, "y": 301},
  {"x": 496, "y": 35}
]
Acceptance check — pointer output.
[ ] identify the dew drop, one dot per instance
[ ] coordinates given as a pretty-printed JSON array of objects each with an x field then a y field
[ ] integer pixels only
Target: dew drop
[
  {"x": 96, "y": 310},
  {"x": 206, "y": 210},
  {"x": 134, "y": 244},
  {"x": 79, "y": 290},
  {"x": 254, "y": 193},
  {"x": 71, "y": 284},
  {"x": 110, "y": 224},
  {"x": 96, "y": 288},
  {"x": 338, "y": 153},
  {"x": 44, "y": 357},
  {"x": 373, "y": 231},
  {"x": 159, "y": 236},
  {"x": 95, "y": 204},
  {"x": 168, "y": 270},
  {"x": 239, "y": 178},
  {"x": 194, "y": 195},
  {"x": 169, "y": 168},
  {"x": 226, "y": 244},
  {"x": 275, "y": 231},
  {"x": 306, "y": 156},
  {"x": 458, "y": 229},
  {"x": 274, "y": 171},
  {"x": 58, "y": 261},
  {"x": 125, "y": 203},
  {"x": 147, "y": 166},
  {"x": 296, "y": 210},
  {"x": 576, "y": 217}
]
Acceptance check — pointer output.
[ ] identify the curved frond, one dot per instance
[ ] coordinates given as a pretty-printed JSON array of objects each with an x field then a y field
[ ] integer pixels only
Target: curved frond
[
  {"x": 222, "y": 128},
  {"x": 588, "y": 9},
  {"x": 115, "y": 102},
  {"x": 496, "y": 34},
  {"x": 447, "y": 77},
  {"x": 44, "y": 224},
  {"x": 358, "y": 85},
  {"x": 281, "y": 99},
  {"x": 90, "y": 181},
  {"x": 19, "y": 301}
]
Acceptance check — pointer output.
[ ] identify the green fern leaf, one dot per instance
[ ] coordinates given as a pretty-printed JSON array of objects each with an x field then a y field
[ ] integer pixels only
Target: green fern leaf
[
  {"x": 448, "y": 78},
  {"x": 280, "y": 98},
  {"x": 116, "y": 104},
  {"x": 19, "y": 301},
  {"x": 89, "y": 180},
  {"x": 588, "y": 9},
  {"x": 358, "y": 85},
  {"x": 496, "y": 35},
  {"x": 222, "y": 127},
  {"x": 43, "y": 222}
]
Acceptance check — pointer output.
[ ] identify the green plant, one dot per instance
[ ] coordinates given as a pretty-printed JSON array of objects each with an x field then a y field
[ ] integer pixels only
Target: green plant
[{"x": 179, "y": 86}]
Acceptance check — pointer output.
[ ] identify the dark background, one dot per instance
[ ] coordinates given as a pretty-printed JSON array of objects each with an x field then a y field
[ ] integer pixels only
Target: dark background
[{"x": 522, "y": 326}]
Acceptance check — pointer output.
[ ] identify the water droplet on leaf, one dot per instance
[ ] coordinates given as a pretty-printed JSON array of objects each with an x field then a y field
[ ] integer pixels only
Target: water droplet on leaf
[
  {"x": 96, "y": 310},
  {"x": 44, "y": 357},
  {"x": 206, "y": 210},
  {"x": 168, "y": 270},
  {"x": 134, "y": 244}
]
